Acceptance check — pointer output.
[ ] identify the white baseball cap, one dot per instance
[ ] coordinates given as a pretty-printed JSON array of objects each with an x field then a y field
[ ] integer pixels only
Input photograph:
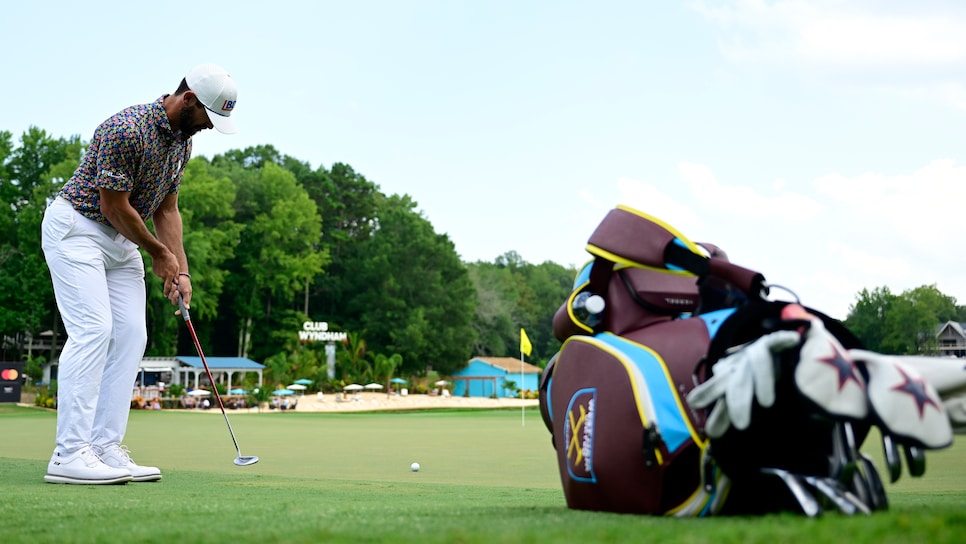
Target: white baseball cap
[{"x": 216, "y": 90}]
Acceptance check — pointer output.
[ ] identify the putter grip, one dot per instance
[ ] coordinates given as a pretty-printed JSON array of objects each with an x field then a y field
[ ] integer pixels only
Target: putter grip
[{"x": 184, "y": 311}]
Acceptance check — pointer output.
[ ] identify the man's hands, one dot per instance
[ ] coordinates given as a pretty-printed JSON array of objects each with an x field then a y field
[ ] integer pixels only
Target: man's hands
[
  {"x": 165, "y": 263},
  {"x": 166, "y": 267}
]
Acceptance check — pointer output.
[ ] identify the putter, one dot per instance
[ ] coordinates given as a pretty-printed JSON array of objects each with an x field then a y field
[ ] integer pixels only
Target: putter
[{"x": 241, "y": 460}]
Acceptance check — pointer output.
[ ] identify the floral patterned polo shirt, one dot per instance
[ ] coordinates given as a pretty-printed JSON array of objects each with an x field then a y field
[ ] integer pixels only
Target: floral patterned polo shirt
[{"x": 134, "y": 151}]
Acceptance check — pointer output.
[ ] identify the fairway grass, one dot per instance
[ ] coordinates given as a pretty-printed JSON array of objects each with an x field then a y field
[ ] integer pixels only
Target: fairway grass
[{"x": 485, "y": 477}]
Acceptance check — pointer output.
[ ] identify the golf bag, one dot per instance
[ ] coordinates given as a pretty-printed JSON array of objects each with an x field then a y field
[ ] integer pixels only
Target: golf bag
[{"x": 670, "y": 314}]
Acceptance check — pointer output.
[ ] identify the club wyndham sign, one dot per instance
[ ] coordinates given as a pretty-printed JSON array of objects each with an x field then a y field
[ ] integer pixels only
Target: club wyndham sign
[{"x": 318, "y": 331}]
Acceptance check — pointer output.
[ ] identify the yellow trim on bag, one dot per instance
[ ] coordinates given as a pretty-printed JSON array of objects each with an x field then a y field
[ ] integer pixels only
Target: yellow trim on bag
[
  {"x": 660, "y": 270},
  {"x": 695, "y": 436},
  {"x": 570, "y": 307},
  {"x": 687, "y": 242},
  {"x": 622, "y": 358}
]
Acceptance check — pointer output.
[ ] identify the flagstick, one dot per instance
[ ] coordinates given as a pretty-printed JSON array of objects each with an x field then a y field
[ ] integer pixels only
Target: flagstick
[{"x": 523, "y": 412}]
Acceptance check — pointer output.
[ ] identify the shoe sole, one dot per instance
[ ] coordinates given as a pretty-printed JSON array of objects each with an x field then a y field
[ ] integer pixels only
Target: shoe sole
[
  {"x": 151, "y": 478},
  {"x": 55, "y": 479}
]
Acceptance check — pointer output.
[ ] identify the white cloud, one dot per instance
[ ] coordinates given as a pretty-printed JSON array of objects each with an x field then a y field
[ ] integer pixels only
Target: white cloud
[
  {"x": 653, "y": 201},
  {"x": 887, "y": 268},
  {"x": 862, "y": 232},
  {"x": 923, "y": 209},
  {"x": 916, "y": 49},
  {"x": 745, "y": 201}
]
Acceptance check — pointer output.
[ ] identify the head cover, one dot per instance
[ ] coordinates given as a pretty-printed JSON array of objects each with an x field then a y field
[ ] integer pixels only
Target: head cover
[{"x": 216, "y": 90}]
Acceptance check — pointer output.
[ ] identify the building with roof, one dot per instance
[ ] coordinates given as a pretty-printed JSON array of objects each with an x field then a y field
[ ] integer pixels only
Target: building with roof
[
  {"x": 487, "y": 377},
  {"x": 186, "y": 370},
  {"x": 951, "y": 339}
]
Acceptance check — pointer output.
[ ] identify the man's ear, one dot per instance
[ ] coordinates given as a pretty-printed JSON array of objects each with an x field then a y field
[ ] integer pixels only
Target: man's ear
[{"x": 190, "y": 98}]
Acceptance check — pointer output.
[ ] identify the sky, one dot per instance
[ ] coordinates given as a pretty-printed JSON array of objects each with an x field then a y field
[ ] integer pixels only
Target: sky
[{"x": 819, "y": 142}]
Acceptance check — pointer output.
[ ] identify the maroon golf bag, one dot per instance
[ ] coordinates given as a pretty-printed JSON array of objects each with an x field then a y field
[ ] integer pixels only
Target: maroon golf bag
[{"x": 645, "y": 323}]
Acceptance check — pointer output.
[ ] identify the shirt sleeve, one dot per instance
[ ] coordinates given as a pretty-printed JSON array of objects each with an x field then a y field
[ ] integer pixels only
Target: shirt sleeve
[{"x": 118, "y": 158}]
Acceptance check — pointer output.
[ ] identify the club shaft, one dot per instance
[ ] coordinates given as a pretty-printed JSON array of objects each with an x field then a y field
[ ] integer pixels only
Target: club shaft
[{"x": 204, "y": 362}]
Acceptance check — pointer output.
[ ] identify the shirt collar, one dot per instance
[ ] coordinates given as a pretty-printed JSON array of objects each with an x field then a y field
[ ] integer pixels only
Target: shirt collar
[{"x": 161, "y": 118}]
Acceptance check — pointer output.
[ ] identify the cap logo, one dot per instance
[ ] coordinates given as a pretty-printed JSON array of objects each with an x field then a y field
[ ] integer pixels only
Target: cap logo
[{"x": 228, "y": 105}]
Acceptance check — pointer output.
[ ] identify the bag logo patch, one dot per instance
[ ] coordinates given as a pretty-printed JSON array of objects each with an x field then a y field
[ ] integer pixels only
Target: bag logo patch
[{"x": 579, "y": 435}]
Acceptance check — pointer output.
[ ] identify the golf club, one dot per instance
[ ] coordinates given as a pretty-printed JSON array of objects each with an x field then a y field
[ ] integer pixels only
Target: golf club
[
  {"x": 241, "y": 460},
  {"x": 795, "y": 484}
]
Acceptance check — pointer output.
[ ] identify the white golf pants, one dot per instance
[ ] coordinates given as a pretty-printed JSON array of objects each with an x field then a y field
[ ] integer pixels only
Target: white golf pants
[{"x": 98, "y": 278}]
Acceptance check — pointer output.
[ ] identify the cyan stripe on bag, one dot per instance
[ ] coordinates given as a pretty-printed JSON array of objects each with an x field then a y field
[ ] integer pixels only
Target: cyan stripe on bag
[
  {"x": 713, "y": 320},
  {"x": 672, "y": 424}
]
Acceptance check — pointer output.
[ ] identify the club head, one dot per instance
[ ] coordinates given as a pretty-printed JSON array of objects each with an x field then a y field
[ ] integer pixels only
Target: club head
[
  {"x": 245, "y": 460},
  {"x": 915, "y": 460},
  {"x": 796, "y": 484},
  {"x": 892, "y": 460}
]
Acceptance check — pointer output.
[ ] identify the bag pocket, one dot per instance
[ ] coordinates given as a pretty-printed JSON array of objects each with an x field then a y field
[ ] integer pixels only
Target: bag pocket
[{"x": 623, "y": 441}]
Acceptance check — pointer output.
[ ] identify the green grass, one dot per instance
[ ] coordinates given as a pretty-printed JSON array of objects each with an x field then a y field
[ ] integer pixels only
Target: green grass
[{"x": 345, "y": 478}]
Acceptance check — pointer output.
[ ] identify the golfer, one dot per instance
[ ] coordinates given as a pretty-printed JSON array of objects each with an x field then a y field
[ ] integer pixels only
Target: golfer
[{"x": 131, "y": 172}]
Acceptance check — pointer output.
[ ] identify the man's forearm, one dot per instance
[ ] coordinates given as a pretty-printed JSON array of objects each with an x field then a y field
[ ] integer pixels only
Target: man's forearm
[
  {"x": 127, "y": 222},
  {"x": 170, "y": 232}
]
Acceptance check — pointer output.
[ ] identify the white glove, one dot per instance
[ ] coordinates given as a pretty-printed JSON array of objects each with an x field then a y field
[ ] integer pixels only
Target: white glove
[{"x": 738, "y": 379}]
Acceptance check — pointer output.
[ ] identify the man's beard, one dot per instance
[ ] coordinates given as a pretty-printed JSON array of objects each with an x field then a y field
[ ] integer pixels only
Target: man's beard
[{"x": 186, "y": 129}]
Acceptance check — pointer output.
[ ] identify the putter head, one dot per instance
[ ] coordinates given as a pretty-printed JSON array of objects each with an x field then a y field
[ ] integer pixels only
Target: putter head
[{"x": 245, "y": 460}]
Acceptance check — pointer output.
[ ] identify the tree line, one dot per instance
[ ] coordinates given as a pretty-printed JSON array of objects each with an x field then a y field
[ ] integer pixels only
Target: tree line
[{"x": 273, "y": 242}]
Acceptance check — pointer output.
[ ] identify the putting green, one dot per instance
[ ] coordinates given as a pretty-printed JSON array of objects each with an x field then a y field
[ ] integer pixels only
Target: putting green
[{"x": 491, "y": 447}]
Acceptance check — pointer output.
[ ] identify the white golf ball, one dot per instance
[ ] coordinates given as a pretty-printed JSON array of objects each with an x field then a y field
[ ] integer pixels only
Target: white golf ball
[{"x": 414, "y": 467}]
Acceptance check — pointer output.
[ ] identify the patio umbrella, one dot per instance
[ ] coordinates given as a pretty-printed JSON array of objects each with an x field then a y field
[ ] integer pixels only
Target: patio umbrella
[
  {"x": 302, "y": 381},
  {"x": 238, "y": 391},
  {"x": 399, "y": 380},
  {"x": 283, "y": 392},
  {"x": 353, "y": 387},
  {"x": 441, "y": 383},
  {"x": 297, "y": 387},
  {"x": 199, "y": 392},
  {"x": 373, "y": 386}
]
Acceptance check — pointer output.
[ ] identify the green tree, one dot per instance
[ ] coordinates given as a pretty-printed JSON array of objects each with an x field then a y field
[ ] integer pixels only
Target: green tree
[
  {"x": 545, "y": 287},
  {"x": 31, "y": 163},
  {"x": 902, "y": 325},
  {"x": 347, "y": 202},
  {"x": 497, "y": 298},
  {"x": 205, "y": 199},
  {"x": 29, "y": 177},
  {"x": 513, "y": 294},
  {"x": 866, "y": 316},
  {"x": 409, "y": 291},
  {"x": 277, "y": 252},
  {"x": 383, "y": 368},
  {"x": 351, "y": 362},
  {"x": 8, "y": 190}
]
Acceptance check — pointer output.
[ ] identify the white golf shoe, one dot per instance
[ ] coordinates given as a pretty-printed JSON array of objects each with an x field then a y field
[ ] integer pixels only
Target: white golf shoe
[
  {"x": 83, "y": 467},
  {"x": 118, "y": 456}
]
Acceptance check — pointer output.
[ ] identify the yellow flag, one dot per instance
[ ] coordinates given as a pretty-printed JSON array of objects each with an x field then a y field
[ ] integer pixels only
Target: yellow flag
[{"x": 525, "y": 346}]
